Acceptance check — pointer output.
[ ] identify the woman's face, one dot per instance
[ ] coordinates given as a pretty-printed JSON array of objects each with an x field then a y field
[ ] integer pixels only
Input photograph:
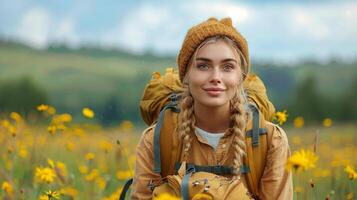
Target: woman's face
[{"x": 214, "y": 77}]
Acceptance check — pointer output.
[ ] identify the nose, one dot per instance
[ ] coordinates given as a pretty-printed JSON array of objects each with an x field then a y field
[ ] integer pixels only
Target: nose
[{"x": 216, "y": 76}]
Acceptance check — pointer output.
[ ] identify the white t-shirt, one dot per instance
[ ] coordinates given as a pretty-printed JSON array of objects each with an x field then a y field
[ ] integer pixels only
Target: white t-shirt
[{"x": 212, "y": 138}]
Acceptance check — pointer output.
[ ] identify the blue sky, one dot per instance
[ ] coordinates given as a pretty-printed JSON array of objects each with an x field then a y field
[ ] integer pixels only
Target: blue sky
[{"x": 278, "y": 30}]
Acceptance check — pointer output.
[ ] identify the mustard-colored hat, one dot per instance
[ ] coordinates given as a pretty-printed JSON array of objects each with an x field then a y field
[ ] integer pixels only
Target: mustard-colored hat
[{"x": 197, "y": 34}]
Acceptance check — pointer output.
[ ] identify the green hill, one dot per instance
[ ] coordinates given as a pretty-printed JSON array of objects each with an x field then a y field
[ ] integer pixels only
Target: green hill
[{"x": 114, "y": 79}]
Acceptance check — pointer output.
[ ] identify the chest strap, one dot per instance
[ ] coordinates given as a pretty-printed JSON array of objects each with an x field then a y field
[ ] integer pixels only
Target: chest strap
[
  {"x": 215, "y": 169},
  {"x": 261, "y": 131}
]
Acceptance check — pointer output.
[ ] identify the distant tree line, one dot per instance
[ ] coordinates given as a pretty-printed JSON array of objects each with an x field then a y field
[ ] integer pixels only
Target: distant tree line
[
  {"x": 24, "y": 95},
  {"x": 308, "y": 102}
]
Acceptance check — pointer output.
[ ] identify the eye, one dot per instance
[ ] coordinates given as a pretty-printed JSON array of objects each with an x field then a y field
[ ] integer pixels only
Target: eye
[
  {"x": 228, "y": 67},
  {"x": 202, "y": 66}
]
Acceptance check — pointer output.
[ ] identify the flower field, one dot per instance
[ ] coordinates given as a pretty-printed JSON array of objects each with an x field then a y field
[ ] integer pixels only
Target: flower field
[{"x": 47, "y": 156}]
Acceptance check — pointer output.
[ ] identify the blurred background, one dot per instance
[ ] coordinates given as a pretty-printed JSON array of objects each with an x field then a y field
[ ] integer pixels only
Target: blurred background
[{"x": 100, "y": 54}]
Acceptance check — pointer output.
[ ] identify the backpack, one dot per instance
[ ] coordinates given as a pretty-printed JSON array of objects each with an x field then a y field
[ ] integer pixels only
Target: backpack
[{"x": 159, "y": 105}]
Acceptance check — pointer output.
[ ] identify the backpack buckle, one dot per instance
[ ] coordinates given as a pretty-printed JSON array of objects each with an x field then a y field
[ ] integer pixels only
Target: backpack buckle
[{"x": 190, "y": 168}]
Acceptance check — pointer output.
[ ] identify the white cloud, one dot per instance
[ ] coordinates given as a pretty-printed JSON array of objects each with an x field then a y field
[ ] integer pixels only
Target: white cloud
[
  {"x": 139, "y": 29},
  {"x": 162, "y": 27},
  {"x": 292, "y": 31},
  {"x": 239, "y": 13},
  {"x": 65, "y": 32},
  {"x": 278, "y": 30},
  {"x": 38, "y": 28},
  {"x": 34, "y": 27}
]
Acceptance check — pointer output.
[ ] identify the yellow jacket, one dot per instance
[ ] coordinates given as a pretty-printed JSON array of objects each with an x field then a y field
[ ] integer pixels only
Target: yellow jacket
[{"x": 275, "y": 184}]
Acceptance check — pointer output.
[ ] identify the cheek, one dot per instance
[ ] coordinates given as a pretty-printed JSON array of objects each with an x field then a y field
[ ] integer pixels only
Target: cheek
[
  {"x": 233, "y": 81},
  {"x": 196, "y": 78}
]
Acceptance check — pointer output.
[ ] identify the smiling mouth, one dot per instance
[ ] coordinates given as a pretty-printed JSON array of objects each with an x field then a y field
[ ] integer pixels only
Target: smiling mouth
[{"x": 214, "y": 91}]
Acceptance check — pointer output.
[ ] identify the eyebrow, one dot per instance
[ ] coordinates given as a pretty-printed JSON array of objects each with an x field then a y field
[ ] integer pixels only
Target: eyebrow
[{"x": 209, "y": 60}]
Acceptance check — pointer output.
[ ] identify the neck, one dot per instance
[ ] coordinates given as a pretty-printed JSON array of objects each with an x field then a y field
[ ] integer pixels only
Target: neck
[{"x": 213, "y": 119}]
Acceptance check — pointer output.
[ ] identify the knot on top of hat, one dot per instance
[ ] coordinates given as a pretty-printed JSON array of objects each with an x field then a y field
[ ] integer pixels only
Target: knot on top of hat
[
  {"x": 212, "y": 19},
  {"x": 227, "y": 21}
]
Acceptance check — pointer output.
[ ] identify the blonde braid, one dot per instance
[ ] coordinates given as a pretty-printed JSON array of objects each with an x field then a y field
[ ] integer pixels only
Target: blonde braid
[
  {"x": 239, "y": 115},
  {"x": 187, "y": 122},
  {"x": 239, "y": 119}
]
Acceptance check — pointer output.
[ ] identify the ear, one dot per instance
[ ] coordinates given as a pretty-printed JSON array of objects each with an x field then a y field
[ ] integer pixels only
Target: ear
[{"x": 227, "y": 21}]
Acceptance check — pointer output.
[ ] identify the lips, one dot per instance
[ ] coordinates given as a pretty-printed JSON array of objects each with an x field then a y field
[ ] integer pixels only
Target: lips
[{"x": 214, "y": 91}]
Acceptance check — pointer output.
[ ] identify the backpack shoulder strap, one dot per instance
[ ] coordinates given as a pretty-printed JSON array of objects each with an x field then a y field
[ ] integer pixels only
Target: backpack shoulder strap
[
  {"x": 256, "y": 147},
  {"x": 166, "y": 140}
]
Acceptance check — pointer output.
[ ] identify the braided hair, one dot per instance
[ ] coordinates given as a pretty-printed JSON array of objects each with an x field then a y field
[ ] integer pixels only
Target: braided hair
[{"x": 238, "y": 110}]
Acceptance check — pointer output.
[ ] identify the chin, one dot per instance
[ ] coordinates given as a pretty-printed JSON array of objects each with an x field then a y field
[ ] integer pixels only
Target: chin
[{"x": 214, "y": 103}]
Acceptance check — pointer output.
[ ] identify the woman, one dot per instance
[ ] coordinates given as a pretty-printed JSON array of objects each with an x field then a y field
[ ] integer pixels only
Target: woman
[{"x": 213, "y": 63}]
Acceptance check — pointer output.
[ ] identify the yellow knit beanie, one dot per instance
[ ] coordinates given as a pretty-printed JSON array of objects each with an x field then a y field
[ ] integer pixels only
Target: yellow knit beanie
[{"x": 197, "y": 34}]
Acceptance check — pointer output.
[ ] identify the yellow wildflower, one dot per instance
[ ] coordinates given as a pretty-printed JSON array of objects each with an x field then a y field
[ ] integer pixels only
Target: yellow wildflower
[
  {"x": 106, "y": 146},
  {"x": 51, "y": 163},
  {"x": 126, "y": 125},
  {"x": 62, "y": 118},
  {"x": 83, "y": 169},
  {"x": 115, "y": 194},
  {"x": 6, "y": 186},
  {"x": 51, "y": 110},
  {"x": 88, "y": 113},
  {"x": 5, "y": 123},
  {"x": 62, "y": 169},
  {"x": 42, "y": 107},
  {"x": 327, "y": 122},
  {"x": 16, "y": 116},
  {"x": 23, "y": 153},
  {"x": 45, "y": 175},
  {"x": 90, "y": 156},
  {"x": 12, "y": 130},
  {"x": 352, "y": 175},
  {"x": 61, "y": 127},
  {"x": 52, "y": 195},
  {"x": 123, "y": 175},
  {"x": 298, "y": 189},
  {"x": 202, "y": 196},
  {"x": 92, "y": 175},
  {"x": 44, "y": 197},
  {"x": 299, "y": 122},
  {"x": 166, "y": 196},
  {"x": 281, "y": 117},
  {"x": 51, "y": 129},
  {"x": 302, "y": 160},
  {"x": 69, "y": 191},
  {"x": 101, "y": 183}
]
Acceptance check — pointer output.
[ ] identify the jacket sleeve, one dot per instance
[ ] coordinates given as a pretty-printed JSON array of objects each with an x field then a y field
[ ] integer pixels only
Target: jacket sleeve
[
  {"x": 276, "y": 182},
  {"x": 144, "y": 174}
]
